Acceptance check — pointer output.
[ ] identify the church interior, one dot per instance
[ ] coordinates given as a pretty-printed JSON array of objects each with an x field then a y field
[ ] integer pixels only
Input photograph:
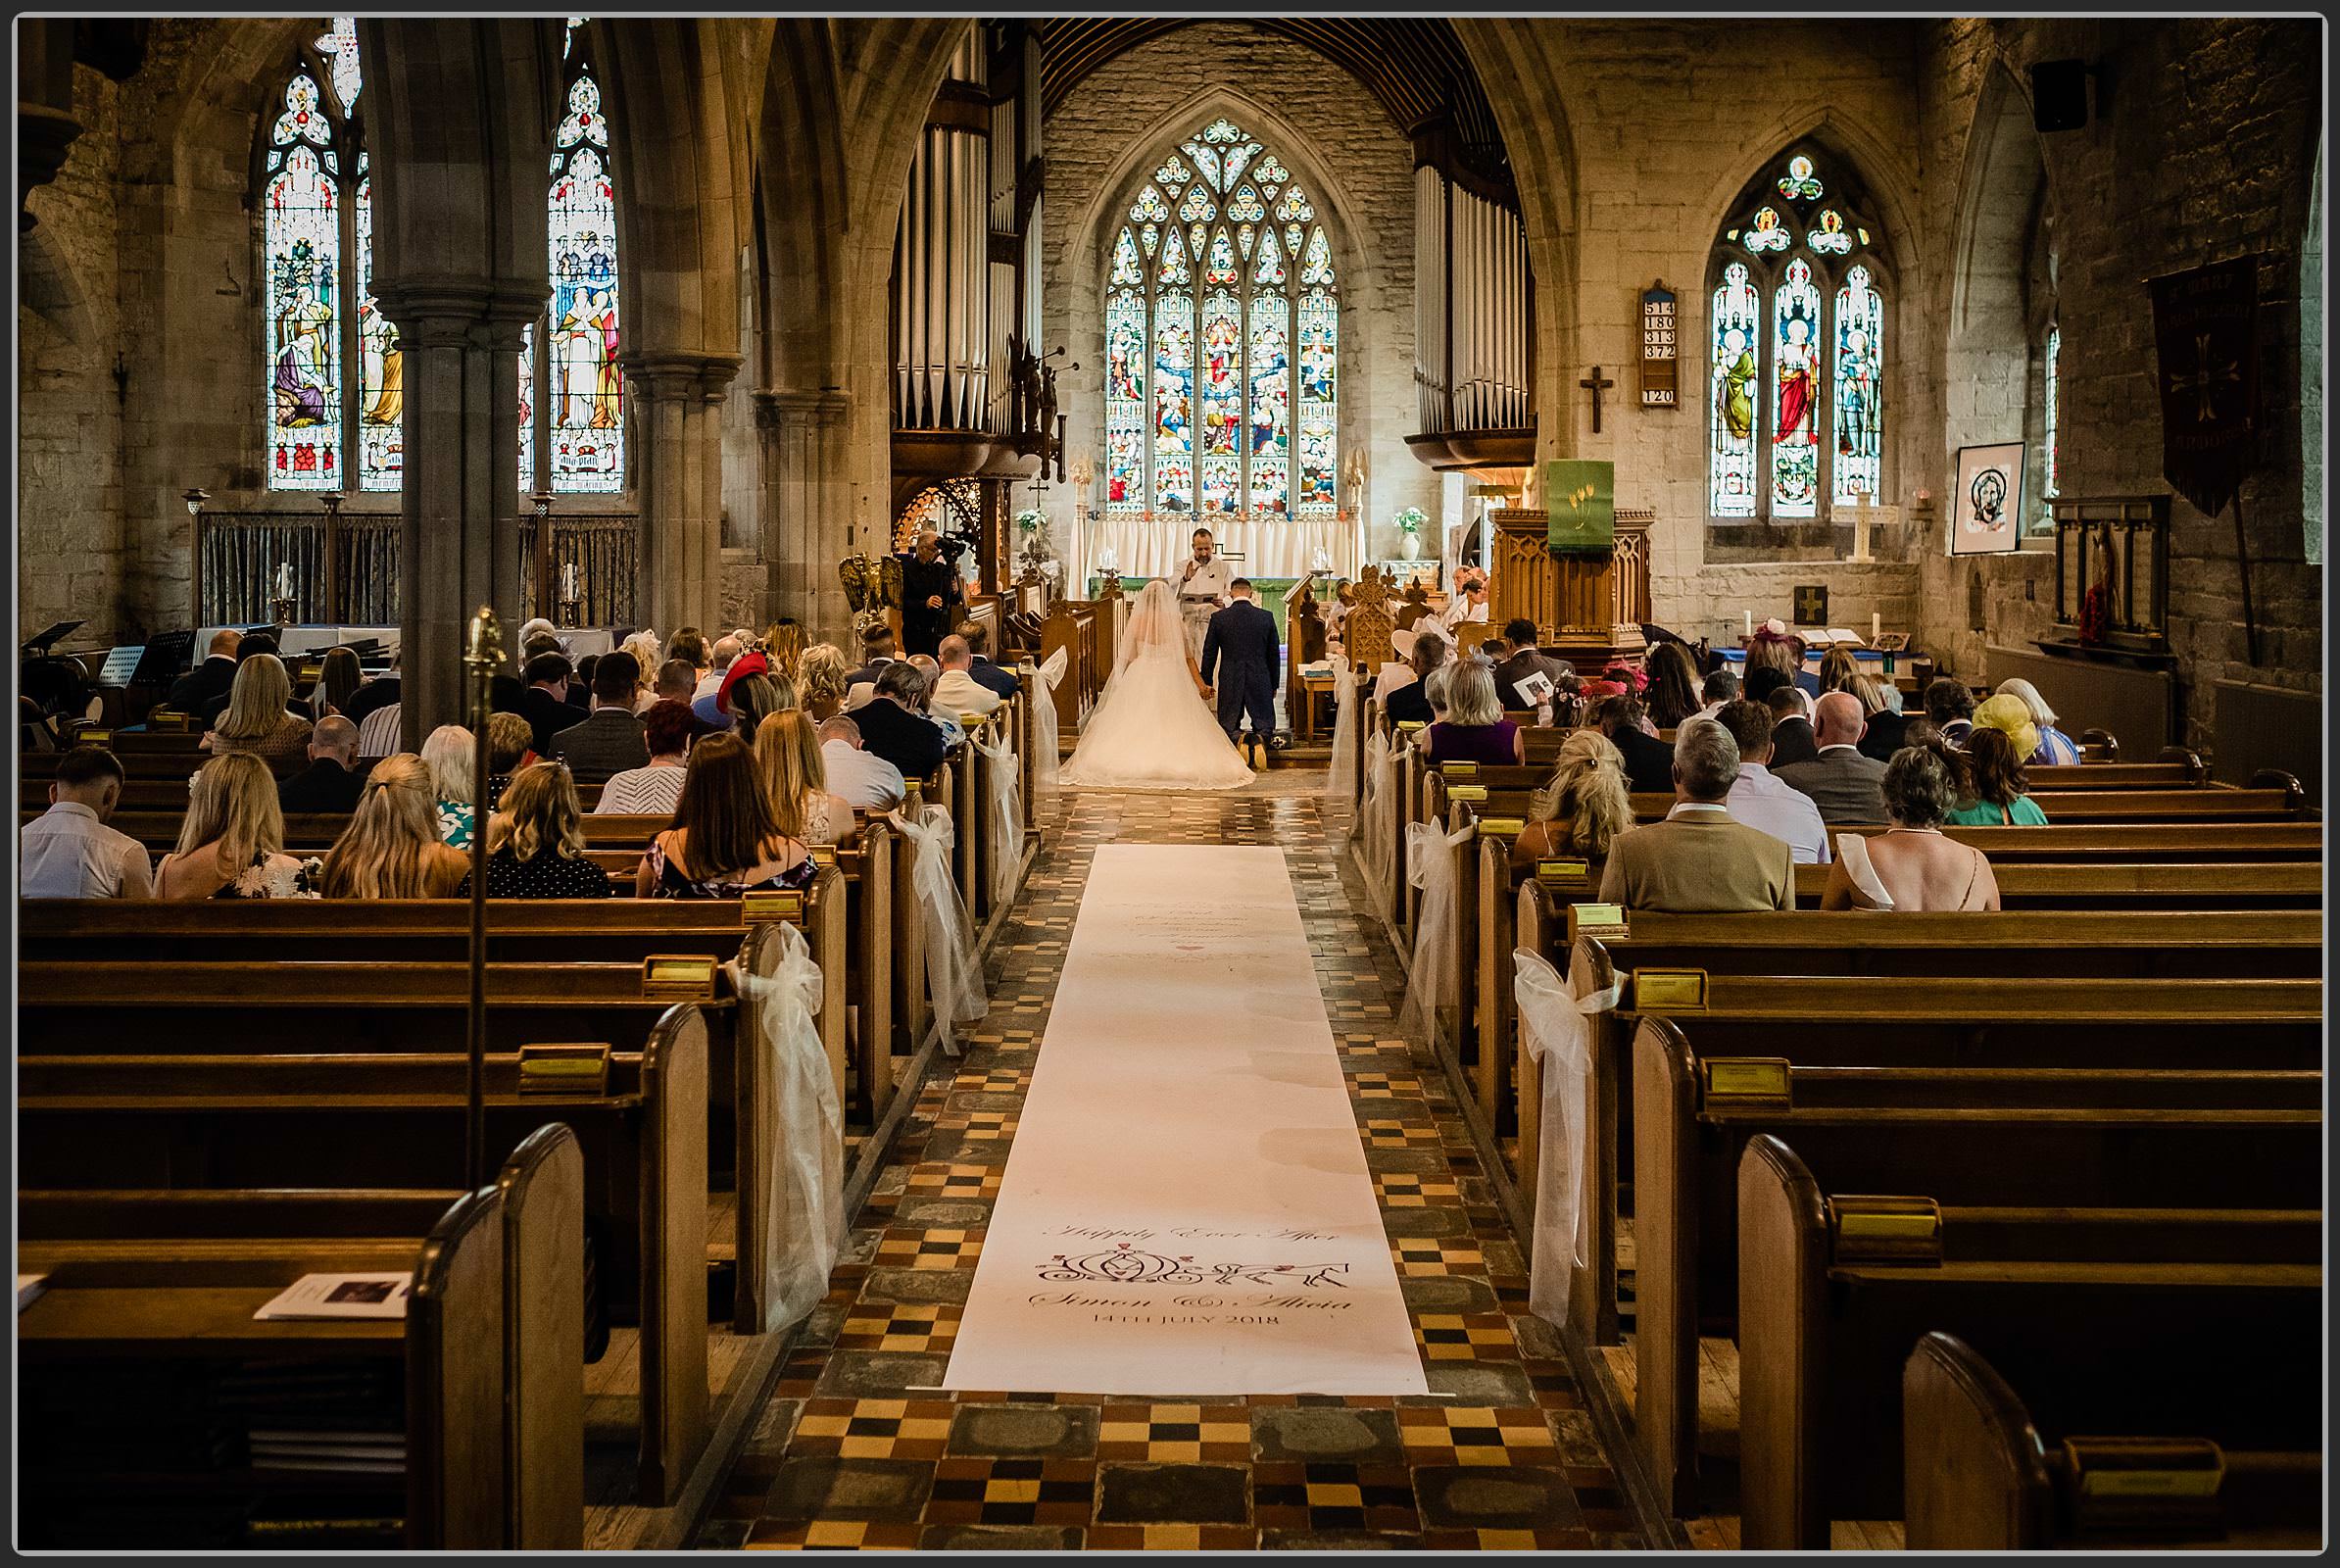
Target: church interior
[{"x": 1727, "y": 953}]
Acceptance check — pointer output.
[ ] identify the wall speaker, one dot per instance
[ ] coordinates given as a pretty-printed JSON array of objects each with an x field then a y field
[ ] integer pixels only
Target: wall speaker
[{"x": 2059, "y": 95}]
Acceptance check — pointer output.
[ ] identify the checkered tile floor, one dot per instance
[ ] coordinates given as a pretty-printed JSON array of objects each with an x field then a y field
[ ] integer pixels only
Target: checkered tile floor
[{"x": 856, "y": 1450}]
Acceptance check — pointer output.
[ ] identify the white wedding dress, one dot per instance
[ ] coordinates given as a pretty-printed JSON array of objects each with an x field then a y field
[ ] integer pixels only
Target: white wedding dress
[{"x": 1150, "y": 729}]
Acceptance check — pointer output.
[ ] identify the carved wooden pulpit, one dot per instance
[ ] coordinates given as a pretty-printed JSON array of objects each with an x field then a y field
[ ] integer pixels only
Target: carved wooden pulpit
[{"x": 1589, "y": 609}]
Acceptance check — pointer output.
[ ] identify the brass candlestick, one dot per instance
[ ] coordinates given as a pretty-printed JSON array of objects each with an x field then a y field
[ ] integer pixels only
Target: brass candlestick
[{"x": 483, "y": 657}]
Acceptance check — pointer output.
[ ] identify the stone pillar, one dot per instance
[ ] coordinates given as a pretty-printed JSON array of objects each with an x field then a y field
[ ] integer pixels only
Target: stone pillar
[
  {"x": 677, "y": 397},
  {"x": 806, "y": 500},
  {"x": 460, "y": 546}
]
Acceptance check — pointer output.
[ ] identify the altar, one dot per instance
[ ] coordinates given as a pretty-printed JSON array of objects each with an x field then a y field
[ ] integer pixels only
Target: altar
[{"x": 1153, "y": 544}]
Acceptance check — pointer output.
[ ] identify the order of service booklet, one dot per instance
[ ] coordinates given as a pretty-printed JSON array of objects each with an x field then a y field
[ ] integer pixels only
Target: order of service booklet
[{"x": 340, "y": 1295}]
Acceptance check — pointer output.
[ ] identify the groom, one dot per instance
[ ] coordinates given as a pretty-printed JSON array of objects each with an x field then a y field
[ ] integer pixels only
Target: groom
[{"x": 1245, "y": 635}]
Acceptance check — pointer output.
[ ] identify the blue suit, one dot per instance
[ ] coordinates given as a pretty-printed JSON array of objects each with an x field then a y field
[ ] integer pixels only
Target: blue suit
[{"x": 1243, "y": 636}]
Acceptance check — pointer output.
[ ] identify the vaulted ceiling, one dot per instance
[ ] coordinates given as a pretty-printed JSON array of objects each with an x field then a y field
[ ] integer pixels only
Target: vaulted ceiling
[{"x": 1413, "y": 66}]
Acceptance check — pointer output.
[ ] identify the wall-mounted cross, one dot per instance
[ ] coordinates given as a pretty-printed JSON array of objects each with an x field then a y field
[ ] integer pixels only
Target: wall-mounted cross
[{"x": 1595, "y": 385}]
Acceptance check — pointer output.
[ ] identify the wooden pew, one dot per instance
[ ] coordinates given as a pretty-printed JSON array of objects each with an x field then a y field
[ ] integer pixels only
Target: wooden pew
[
  {"x": 2099, "y": 1136},
  {"x": 1979, "y": 1473},
  {"x": 492, "y": 1342},
  {"x": 1839, "y": 1020},
  {"x": 244, "y": 1119},
  {"x": 2093, "y": 1299}
]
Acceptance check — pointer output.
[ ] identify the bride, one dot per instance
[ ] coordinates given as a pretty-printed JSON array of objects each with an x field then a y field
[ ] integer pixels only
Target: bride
[{"x": 1149, "y": 729}]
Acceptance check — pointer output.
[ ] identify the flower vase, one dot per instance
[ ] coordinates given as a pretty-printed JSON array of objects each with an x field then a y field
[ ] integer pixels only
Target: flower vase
[{"x": 1409, "y": 546}]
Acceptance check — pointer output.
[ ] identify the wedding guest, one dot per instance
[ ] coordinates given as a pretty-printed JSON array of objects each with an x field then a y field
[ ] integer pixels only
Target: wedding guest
[
  {"x": 1523, "y": 659},
  {"x": 1759, "y": 798},
  {"x": 259, "y": 719},
  {"x": 1648, "y": 761},
  {"x": 1951, "y": 707},
  {"x": 702, "y": 695},
  {"x": 329, "y": 785},
  {"x": 1673, "y": 694},
  {"x": 688, "y": 643},
  {"x": 545, "y": 702},
  {"x": 1792, "y": 739},
  {"x": 678, "y": 679},
  {"x": 449, "y": 751},
  {"x": 1838, "y": 667},
  {"x": 1584, "y": 809},
  {"x": 756, "y": 697},
  {"x": 1409, "y": 704},
  {"x": 68, "y": 852},
  {"x": 957, "y": 690},
  {"x": 1918, "y": 868},
  {"x": 654, "y": 788},
  {"x": 724, "y": 841},
  {"x": 536, "y": 840},
  {"x": 795, "y": 779},
  {"x": 1699, "y": 859},
  {"x": 892, "y": 727},
  {"x": 1845, "y": 785},
  {"x": 1719, "y": 686},
  {"x": 821, "y": 681},
  {"x": 511, "y": 746},
  {"x": 232, "y": 841},
  {"x": 610, "y": 740},
  {"x": 2055, "y": 749},
  {"x": 953, "y": 730},
  {"x": 1993, "y": 791},
  {"x": 1888, "y": 725},
  {"x": 1006, "y": 682},
  {"x": 877, "y": 651},
  {"x": 379, "y": 732},
  {"x": 643, "y": 647},
  {"x": 338, "y": 679},
  {"x": 392, "y": 848},
  {"x": 1474, "y": 729},
  {"x": 211, "y": 678},
  {"x": 868, "y": 782}
]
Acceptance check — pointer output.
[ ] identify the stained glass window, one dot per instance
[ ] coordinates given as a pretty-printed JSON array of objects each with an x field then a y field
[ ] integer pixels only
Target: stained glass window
[
  {"x": 1737, "y": 337},
  {"x": 1797, "y": 350},
  {"x": 1858, "y": 414},
  {"x": 339, "y": 44},
  {"x": 302, "y": 203},
  {"x": 528, "y": 409},
  {"x": 381, "y": 377},
  {"x": 584, "y": 389},
  {"x": 1222, "y": 338}
]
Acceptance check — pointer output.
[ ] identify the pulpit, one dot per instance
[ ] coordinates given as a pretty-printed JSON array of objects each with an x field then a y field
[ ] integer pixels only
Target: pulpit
[{"x": 1587, "y": 610}]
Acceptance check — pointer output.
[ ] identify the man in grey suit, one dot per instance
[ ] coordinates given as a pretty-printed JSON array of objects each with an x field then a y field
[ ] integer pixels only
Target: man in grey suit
[
  {"x": 609, "y": 741},
  {"x": 1846, "y": 786}
]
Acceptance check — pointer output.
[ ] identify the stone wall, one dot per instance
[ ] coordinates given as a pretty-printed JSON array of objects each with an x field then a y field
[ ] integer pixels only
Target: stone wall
[
  {"x": 1118, "y": 123},
  {"x": 69, "y": 543}
]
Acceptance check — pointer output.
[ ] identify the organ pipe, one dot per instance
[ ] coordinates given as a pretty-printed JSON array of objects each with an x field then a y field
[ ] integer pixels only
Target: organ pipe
[
  {"x": 943, "y": 293},
  {"x": 1471, "y": 309}
]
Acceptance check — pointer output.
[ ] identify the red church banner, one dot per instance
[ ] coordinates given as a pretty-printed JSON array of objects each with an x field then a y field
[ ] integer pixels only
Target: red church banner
[{"x": 2204, "y": 333}]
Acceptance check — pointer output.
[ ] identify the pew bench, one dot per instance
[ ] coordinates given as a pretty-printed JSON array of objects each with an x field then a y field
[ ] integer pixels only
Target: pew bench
[
  {"x": 163, "y": 1287},
  {"x": 1979, "y": 1473},
  {"x": 2171, "y": 1141},
  {"x": 1830, "y": 1304}
]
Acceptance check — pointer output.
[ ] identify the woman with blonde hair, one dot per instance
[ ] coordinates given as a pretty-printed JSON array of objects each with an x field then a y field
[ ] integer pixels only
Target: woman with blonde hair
[
  {"x": 258, "y": 721},
  {"x": 2055, "y": 749},
  {"x": 648, "y": 661},
  {"x": 391, "y": 849},
  {"x": 231, "y": 844},
  {"x": 820, "y": 681},
  {"x": 536, "y": 842},
  {"x": 1839, "y": 669},
  {"x": 1473, "y": 728},
  {"x": 795, "y": 779},
  {"x": 1581, "y": 813},
  {"x": 448, "y": 753}
]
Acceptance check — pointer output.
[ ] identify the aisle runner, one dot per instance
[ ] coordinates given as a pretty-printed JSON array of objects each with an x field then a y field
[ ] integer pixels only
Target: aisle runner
[{"x": 1186, "y": 1207}]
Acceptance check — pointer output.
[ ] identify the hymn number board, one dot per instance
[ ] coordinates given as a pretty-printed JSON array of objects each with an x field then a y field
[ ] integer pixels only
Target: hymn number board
[{"x": 1658, "y": 385}]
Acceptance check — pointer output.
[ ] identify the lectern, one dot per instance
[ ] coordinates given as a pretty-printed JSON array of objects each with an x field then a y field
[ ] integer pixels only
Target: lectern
[{"x": 1589, "y": 609}]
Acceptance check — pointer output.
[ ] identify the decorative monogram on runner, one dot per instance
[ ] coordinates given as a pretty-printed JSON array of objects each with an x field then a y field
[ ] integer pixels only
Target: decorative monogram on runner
[{"x": 1126, "y": 1265}]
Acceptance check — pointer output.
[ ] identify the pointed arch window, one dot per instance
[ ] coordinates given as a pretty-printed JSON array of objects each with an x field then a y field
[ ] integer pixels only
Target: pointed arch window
[
  {"x": 324, "y": 429},
  {"x": 1222, "y": 338},
  {"x": 569, "y": 358},
  {"x": 1796, "y": 336}
]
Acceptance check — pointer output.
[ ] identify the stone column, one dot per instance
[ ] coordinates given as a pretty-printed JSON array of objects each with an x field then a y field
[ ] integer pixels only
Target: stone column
[
  {"x": 460, "y": 546},
  {"x": 806, "y": 504},
  {"x": 677, "y": 398}
]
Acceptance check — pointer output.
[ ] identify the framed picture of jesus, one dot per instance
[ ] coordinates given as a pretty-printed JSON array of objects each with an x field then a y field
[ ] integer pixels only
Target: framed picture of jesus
[{"x": 1987, "y": 504}]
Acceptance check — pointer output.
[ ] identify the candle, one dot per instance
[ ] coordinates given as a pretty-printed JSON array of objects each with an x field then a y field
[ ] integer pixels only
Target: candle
[
  {"x": 1750, "y": 614},
  {"x": 568, "y": 579},
  {"x": 1877, "y": 626},
  {"x": 284, "y": 580}
]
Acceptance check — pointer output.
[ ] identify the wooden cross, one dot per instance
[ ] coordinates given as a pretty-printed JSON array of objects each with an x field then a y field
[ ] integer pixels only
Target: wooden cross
[{"x": 1595, "y": 385}]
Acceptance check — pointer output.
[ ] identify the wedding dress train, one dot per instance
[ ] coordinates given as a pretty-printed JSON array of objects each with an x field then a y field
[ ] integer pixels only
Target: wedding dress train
[{"x": 1149, "y": 729}]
